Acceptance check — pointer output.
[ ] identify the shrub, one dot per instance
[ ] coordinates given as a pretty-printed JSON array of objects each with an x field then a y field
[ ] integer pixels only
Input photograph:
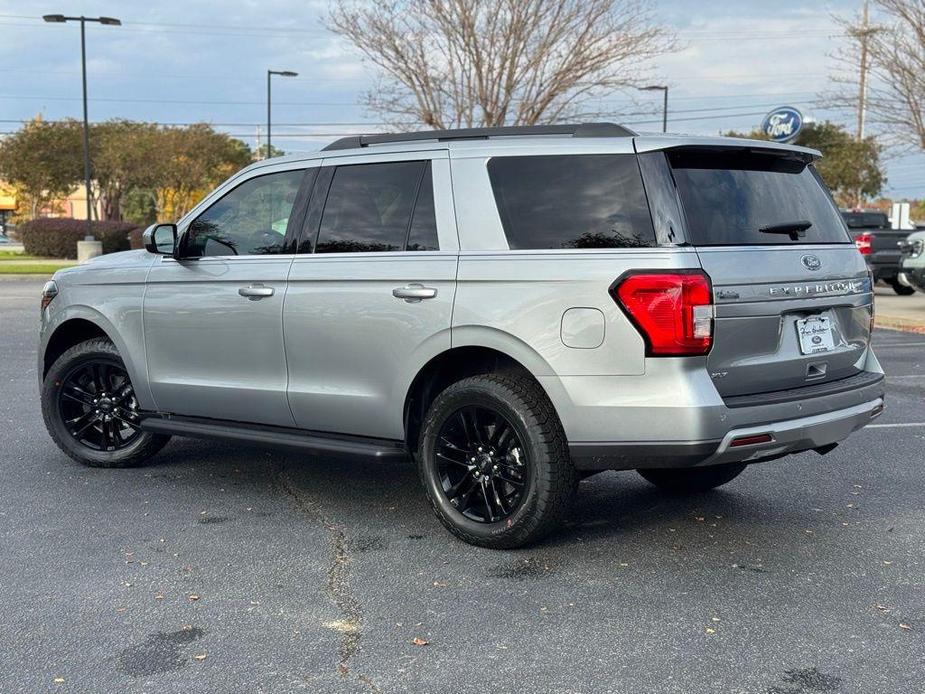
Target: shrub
[{"x": 57, "y": 237}]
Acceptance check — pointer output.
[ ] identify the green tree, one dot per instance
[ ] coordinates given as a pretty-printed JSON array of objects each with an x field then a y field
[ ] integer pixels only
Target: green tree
[
  {"x": 122, "y": 153},
  {"x": 261, "y": 152},
  {"x": 190, "y": 162},
  {"x": 850, "y": 168},
  {"x": 43, "y": 160}
]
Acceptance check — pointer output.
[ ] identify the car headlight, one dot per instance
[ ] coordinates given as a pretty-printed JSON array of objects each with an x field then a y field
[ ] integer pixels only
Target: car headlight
[{"x": 49, "y": 292}]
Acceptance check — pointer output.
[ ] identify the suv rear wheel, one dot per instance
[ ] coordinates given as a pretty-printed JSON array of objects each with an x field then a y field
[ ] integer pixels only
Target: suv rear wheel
[
  {"x": 900, "y": 288},
  {"x": 494, "y": 461},
  {"x": 694, "y": 479},
  {"x": 91, "y": 411}
]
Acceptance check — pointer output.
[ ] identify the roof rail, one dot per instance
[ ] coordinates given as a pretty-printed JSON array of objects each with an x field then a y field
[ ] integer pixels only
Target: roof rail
[{"x": 575, "y": 130}]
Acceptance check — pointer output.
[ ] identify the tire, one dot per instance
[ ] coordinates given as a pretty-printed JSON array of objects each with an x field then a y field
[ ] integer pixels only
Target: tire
[
  {"x": 99, "y": 353},
  {"x": 901, "y": 289},
  {"x": 505, "y": 406},
  {"x": 692, "y": 480}
]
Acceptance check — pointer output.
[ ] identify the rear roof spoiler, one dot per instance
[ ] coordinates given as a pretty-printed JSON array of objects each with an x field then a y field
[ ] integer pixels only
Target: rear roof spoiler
[{"x": 650, "y": 143}]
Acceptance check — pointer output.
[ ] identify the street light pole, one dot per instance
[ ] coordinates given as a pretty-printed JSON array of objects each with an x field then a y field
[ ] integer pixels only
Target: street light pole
[
  {"x": 108, "y": 21},
  {"x": 83, "y": 69},
  {"x": 270, "y": 73},
  {"x": 664, "y": 89}
]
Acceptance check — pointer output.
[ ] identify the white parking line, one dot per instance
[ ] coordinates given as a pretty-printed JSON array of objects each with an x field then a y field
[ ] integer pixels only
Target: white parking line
[
  {"x": 896, "y": 378},
  {"x": 901, "y": 425}
]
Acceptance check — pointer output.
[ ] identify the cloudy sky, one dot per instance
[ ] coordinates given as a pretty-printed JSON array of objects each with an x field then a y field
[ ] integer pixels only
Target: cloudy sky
[{"x": 181, "y": 62}]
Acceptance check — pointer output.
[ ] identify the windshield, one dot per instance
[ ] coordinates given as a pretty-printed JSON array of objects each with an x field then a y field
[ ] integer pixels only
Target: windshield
[{"x": 737, "y": 198}]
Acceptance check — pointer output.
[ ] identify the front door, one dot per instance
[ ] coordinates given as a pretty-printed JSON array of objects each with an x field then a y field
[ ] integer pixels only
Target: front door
[
  {"x": 371, "y": 292},
  {"x": 213, "y": 320}
]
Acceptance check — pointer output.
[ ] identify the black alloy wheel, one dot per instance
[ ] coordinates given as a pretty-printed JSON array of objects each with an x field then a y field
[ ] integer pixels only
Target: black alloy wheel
[
  {"x": 97, "y": 404},
  {"x": 494, "y": 461},
  {"x": 481, "y": 464}
]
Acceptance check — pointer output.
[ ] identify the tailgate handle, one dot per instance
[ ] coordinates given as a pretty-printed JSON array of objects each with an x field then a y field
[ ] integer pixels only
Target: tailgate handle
[{"x": 816, "y": 370}]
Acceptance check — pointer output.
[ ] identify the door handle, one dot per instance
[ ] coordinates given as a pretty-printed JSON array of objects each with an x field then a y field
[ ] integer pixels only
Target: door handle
[
  {"x": 256, "y": 292},
  {"x": 414, "y": 292}
]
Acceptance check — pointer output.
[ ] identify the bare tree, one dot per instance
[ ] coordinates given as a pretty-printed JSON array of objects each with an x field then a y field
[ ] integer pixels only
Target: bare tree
[
  {"x": 465, "y": 63},
  {"x": 895, "y": 56}
]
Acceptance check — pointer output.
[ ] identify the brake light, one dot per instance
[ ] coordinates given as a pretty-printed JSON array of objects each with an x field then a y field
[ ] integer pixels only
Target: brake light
[
  {"x": 672, "y": 310},
  {"x": 864, "y": 242}
]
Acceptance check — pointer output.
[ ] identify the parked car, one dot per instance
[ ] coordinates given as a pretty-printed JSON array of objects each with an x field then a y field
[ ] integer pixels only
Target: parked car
[
  {"x": 879, "y": 243},
  {"x": 514, "y": 308},
  {"x": 912, "y": 273},
  {"x": 4, "y": 238}
]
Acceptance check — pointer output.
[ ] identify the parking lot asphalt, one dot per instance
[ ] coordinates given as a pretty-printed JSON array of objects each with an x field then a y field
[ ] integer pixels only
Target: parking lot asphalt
[{"x": 223, "y": 568}]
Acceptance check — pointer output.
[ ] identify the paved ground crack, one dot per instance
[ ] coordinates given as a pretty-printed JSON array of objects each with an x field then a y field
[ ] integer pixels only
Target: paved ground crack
[{"x": 338, "y": 583}]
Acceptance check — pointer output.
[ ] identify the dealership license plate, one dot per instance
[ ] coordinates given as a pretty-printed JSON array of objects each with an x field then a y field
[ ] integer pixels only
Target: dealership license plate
[{"x": 815, "y": 334}]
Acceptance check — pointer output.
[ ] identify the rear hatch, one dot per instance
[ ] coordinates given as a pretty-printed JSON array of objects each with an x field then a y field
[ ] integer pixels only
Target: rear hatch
[{"x": 792, "y": 294}]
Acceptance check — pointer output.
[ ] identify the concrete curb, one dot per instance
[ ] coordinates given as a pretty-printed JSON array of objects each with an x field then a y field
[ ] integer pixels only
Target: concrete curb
[{"x": 908, "y": 325}]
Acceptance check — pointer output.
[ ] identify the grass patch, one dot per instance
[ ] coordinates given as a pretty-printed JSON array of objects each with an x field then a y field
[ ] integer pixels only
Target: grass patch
[
  {"x": 16, "y": 255},
  {"x": 32, "y": 268}
]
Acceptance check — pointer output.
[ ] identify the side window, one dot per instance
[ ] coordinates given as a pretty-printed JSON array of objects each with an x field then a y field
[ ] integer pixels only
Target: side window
[
  {"x": 249, "y": 220},
  {"x": 369, "y": 207},
  {"x": 572, "y": 201},
  {"x": 423, "y": 233}
]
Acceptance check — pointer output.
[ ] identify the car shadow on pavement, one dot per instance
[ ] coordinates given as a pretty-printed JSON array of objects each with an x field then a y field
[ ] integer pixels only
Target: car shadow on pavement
[{"x": 360, "y": 494}]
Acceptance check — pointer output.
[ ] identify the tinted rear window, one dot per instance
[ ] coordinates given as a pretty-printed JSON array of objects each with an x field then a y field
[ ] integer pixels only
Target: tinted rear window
[
  {"x": 728, "y": 198},
  {"x": 369, "y": 207},
  {"x": 571, "y": 201},
  {"x": 866, "y": 220}
]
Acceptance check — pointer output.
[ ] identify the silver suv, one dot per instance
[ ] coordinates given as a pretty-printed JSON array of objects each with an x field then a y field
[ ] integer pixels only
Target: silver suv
[{"x": 515, "y": 308}]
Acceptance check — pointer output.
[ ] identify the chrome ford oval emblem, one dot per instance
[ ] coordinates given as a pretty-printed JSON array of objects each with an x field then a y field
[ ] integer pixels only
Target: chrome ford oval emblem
[{"x": 811, "y": 262}]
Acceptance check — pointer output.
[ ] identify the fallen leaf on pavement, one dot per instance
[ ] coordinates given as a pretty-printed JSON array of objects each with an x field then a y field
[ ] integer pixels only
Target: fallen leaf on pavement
[
  {"x": 200, "y": 657},
  {"x": 59, "y": 680},
  {"x": 905, "y": 626},
  {"x": 192, "y": 597},
  {"x": 417, "y": 641},
  {"x": 711, "y": 631}
]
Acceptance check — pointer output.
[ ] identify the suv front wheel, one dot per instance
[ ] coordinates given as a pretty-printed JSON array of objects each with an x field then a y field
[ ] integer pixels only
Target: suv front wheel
[
  {"x": 91, "y": 411},
  {"x": 494, "y": 461}
]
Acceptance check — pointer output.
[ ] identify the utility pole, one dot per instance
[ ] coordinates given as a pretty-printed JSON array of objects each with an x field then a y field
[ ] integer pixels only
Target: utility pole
[{"x": 862, "y": 91}]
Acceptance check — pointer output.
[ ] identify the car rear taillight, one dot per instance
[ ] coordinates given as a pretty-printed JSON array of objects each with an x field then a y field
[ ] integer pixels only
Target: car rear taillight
[
  {"x": 672, "y": 310},
  {"x": 864, "y": 242}
]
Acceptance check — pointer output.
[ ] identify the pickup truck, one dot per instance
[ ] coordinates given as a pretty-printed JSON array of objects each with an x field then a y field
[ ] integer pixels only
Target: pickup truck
[
  {"x": 879, "y": 244},
  {"x": 913, "y": 268}
]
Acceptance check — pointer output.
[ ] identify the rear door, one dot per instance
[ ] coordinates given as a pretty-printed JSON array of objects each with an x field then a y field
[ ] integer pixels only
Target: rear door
[
  {"x": 371, "y": 290},
  {"x": 793, "y": 295}
]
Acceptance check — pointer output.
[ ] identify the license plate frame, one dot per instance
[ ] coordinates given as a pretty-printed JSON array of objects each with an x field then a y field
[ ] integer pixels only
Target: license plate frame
[{"x": 815, "y": 334}]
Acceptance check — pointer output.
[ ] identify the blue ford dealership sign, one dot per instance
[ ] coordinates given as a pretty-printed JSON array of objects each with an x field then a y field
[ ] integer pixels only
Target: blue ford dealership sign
[{"x": 782, "y": 124}]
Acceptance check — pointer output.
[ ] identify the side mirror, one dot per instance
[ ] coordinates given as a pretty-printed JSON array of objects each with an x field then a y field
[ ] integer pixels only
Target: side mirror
[{"x": 160, "y": 239}]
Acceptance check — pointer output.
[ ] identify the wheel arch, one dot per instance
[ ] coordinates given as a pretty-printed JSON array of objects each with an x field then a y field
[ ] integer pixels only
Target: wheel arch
[
  {"x": 445, "y": 369},
  {"x": 69, "y": 333},
  {"x": 79, "y": 323}
]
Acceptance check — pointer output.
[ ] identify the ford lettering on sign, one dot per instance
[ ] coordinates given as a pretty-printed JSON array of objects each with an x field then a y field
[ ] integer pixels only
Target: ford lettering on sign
[{"x": 782, "y": 124}]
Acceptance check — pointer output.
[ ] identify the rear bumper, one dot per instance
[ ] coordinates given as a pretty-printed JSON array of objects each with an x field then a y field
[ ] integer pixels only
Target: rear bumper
[
  {"x": 673, "y": 416},
  {"x": 884, "y": 268},
  {"x": 784, "y": 437}
]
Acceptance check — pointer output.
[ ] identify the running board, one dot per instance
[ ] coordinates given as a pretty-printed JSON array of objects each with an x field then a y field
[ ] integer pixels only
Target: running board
[{"x": 328, "y": 444}]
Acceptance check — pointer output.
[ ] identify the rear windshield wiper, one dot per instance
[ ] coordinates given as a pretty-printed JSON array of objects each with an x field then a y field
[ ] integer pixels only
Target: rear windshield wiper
[{"x": 793, "y": 229}]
